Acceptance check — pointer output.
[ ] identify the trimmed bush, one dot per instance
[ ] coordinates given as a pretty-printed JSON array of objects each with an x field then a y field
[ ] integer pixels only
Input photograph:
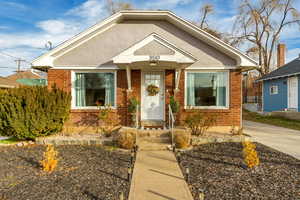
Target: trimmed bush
[
  {"x": 182, "y": 140},
  {"x": 30, "y": 112},
  {"x": 199, "y": 122},
  {"x": 126, "y": 140}
]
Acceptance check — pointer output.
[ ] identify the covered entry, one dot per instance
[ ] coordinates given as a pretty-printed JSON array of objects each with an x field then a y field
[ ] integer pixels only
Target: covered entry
[{"x": 153, "y": 56}]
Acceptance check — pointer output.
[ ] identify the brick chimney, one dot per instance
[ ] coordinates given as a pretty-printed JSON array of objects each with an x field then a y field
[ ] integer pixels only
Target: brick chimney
[{"x": 280, "y": 55}]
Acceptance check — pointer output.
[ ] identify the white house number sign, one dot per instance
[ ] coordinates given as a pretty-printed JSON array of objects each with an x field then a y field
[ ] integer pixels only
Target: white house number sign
[{"x": 154, "y": 58}]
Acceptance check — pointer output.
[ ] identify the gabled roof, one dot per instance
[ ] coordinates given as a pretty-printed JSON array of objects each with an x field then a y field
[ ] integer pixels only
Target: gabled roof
[
  {"x": 242, "y": 59},
  {"x": 6, "y": 83},
  {"x": 28, "y": 74},
  {"x": 289, "y": 69},
  {"x": 174, "y": 54}
]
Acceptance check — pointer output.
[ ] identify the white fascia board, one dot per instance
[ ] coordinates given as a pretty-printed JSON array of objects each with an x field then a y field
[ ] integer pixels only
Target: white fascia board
[
  {"x": 243, "y": 60},
  {"x": 43, "y": 60}
]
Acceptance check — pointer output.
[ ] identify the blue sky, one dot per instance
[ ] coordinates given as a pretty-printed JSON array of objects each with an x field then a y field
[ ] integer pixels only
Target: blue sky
[{"x": 27, "y": 25}]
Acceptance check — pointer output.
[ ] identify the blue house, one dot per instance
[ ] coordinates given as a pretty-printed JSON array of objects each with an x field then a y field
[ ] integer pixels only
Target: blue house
[{"x": 281, "y": 88}]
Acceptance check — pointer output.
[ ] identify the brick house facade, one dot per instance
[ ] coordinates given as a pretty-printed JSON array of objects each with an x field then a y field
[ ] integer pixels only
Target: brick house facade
[{"x": 200, "y": 71}]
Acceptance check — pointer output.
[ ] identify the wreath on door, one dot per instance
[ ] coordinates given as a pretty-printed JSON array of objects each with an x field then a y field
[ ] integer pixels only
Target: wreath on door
[{"x": 152, "y": 90}]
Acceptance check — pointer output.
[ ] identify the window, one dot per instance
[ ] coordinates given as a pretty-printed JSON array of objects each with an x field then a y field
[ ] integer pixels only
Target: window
[
  {"x": 92, "y": 89},
  {"x": 207, "y": 89},
  {"x": 273, "y": 89}
]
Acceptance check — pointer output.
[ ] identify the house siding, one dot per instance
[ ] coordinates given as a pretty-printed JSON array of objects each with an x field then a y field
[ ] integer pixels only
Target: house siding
[
  {"x": 87, "y": 117},
  {"x": 275, "y": 102}
]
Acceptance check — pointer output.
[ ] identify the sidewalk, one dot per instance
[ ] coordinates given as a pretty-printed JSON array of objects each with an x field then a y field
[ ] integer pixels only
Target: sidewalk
[
  {"x": 157, "y": 176},
  {"x": 282, "y": 139}
]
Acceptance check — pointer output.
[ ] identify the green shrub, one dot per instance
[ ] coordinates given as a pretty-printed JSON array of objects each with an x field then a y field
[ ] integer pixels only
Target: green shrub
[
  {"x": 30, "y": 112},
  {"x": 174, "y": 105},
  {"x": 200, "y": 122},
  {"x": 133, "y": 104}
]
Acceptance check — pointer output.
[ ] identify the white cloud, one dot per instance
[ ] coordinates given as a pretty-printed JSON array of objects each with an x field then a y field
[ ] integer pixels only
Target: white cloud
[
  {"x": 91, "y": 10},
  {"x": 292, "y": 54},
  {"x": 58, "y": 26},
  {"x": 165, "y": 4}
]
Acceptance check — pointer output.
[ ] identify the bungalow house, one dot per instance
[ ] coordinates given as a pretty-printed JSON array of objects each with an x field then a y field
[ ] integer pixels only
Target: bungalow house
[
  {"x": 120, "y": 57},
  {"x": 281, "y": 88},
  {"x": 29, "y": 77},
  {"x": 7, "y": 83}
]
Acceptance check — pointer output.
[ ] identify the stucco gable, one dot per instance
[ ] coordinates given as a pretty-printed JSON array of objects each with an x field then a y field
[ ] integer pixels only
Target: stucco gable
[
  {"x": 154, "y": 48},
  {"x": 220, "y": 53}
]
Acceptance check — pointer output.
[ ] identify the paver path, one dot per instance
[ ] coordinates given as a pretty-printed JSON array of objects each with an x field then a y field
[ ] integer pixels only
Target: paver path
[
  {"x": 282, "y": 139},
  {"x": 157, "y": 176}
]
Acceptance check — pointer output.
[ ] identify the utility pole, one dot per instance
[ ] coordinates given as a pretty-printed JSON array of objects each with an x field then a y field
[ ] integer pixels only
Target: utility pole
[{"x": 18, "y": 61}]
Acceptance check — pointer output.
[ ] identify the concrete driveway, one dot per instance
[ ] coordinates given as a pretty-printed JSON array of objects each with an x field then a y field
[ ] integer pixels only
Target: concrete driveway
[{"x": 282, "y": 139}]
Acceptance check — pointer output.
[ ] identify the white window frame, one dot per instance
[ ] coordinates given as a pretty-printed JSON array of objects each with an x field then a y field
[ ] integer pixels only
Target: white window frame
[
  {"x": 73, "y": 92},
  {"x": 275, "y": 89},
  {"x": 207, "y": 107}
]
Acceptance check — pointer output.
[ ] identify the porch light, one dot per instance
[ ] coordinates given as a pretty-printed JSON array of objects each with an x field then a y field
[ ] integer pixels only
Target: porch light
[
  {"x": 187, "y": 171},
  {"x": 201, "y": 194},
  {"x": 129, "y": 174},
  {"x": 121, "y": 197},
  {"x": 153, "y": 63}
]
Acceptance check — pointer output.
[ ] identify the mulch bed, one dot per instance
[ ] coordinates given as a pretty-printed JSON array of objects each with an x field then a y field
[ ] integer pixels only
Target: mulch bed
[
  {"x": 219, "y": 170},
  {"x": 84, "y": 172}
]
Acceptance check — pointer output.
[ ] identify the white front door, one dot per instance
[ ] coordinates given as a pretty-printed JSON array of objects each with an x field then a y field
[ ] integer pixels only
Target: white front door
[
  {"x": 293, "y": 93},
  {"x": 152, "y": 107}
]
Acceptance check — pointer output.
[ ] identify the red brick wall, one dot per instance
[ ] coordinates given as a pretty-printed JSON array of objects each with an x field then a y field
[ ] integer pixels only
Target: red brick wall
[
  {"x": 62, "y": 78},
  {"x": 225, "y": 117}
]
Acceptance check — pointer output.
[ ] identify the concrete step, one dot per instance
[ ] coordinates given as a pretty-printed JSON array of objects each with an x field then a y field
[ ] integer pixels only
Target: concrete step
[
  {"x": 147, "y": 146},
  {"x": 163, "y": 140},
  {"x": 152, "y": 123},
  {"x": 153, "y": 133}
]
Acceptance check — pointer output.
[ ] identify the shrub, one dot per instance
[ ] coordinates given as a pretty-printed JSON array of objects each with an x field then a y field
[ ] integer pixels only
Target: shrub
[
  {"x": 174, "y": 105},
  {"x": 50, "y": 159},
  {"x": 250, "y": 154},
  {"x": 30, "y": 112},
  {"x": 108, "y": 122},
  {"x": 181, "y": 140},
  {"x": 199, "y": 122},
  {"x": 132, "y": 106},
  {"x": 126, "y": 140}
]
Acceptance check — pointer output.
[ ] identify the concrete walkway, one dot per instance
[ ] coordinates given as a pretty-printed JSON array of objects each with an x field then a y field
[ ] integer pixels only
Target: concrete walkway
[
  {"x": 157, "y": 176},
  {"x": 282, "y": 139}
]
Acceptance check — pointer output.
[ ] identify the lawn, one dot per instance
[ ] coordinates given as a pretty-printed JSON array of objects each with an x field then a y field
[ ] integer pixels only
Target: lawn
[
  {"x": 84, "y": 172},
  {"x": 272, "y": 120},
  {"x": 219, "y": 170},
  {"x": 11, "y": 140}
]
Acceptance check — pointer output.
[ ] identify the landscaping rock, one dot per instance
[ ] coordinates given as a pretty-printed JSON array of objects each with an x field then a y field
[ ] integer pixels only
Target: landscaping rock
[
  {"x": 219, "y": 169},
  {"x": 83, "y": 172}
]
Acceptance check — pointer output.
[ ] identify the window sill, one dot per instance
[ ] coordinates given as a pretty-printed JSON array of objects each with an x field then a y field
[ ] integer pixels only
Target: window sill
[
  {"x": 206, "y": 109},
  {"x": 90, "y": 109}
]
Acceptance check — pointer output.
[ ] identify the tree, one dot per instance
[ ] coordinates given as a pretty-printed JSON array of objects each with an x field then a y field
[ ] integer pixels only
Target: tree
[
  {"x": 260, "y": 23},
  {"x": 115, "y": 6}
]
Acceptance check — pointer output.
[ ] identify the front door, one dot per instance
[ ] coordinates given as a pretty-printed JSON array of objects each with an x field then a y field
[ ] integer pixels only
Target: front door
[
  {"x": 152, "y": 106},
  {"x": 293, "y": 93}
]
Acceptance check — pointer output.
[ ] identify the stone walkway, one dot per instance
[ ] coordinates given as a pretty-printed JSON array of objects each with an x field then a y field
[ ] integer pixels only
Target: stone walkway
[{"x": 157, "y": 176}]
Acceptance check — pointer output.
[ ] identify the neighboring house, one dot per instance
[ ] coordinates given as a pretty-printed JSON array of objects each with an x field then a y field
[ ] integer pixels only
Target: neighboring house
[
  {"x": 121, "y": 56},
  {"x": 281, "y": 88},
  {"x": 6, "y": 83},
  {"x": 28, "y": 77}
]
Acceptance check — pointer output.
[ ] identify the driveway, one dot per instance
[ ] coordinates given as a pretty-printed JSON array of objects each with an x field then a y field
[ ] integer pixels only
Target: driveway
[{"x": 282, "y": 139}]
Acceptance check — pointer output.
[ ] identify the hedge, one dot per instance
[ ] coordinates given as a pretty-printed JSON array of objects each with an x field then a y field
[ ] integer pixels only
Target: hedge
[{"x": 32, "y": 111}]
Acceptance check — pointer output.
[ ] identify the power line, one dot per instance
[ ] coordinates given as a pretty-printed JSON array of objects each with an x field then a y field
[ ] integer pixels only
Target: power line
[{"x": 18, "y": 58}]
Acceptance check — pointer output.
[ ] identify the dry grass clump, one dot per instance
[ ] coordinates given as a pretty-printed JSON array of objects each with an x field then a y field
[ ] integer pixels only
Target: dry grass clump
[
  {"x": 182, "y": 140},
  {"x": 250, "y": 154},
  {"x": 50, "y": 159},
  {"x": 126, "y": 140}
]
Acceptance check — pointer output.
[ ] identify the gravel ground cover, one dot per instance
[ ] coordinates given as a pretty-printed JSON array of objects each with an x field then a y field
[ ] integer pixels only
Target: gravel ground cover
[
  {"x": 218, "y": 169},
  {"x": 84, "y": 172}
]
